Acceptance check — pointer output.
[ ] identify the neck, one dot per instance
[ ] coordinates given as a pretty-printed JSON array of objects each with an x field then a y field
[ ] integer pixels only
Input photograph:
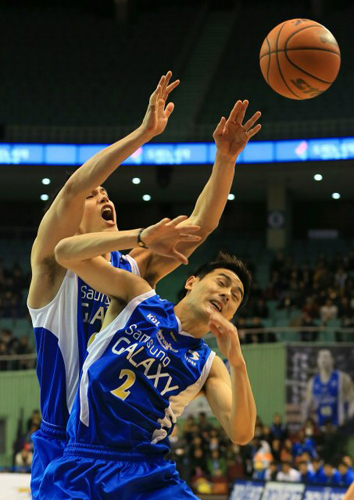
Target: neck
[{"x": 192, "y": 323}]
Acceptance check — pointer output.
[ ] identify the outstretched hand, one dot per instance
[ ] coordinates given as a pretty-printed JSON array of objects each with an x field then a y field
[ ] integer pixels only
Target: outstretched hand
[
  {"x": 158, "y": 114},
  {"x": 231, "y": 136},
  {"x": 163, "y": 237},
  {"x": 227, "y": 338}
]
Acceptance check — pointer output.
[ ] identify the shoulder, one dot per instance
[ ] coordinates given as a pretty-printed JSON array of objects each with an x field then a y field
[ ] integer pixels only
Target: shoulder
[{"x": 218, "y": 370}]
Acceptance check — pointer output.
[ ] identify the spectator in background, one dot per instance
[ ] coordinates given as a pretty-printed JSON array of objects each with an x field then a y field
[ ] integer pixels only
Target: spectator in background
[
  {"x": 257, "y": 337},
  {"x": 311, "y": 307},
  {"x": 306, "y": 474},
  {"x": 267, "y": 434},
  {"x": 319, "y": 476},
  {"x": 216, "y": 464},
  {"x": 242, "y": 330},
  {"x": 286, "y": 452},
  {"x": 288, "y": 473},
  {"x": 10, "y": 341},
  {"x": 24, "y": 347},
  {"x": 189, "y": 428},
  {"x": 346, "y": 475},
  {"x": 4, "y": 365},
  {"x": 198, "y": 461},
  {"x": 328, "y": 311},
  {"x": 340, "y": 278},
  {"x": 303, "y": 444},
  {"x": 28, "y": 437},
  {"x": 23, "y": 459},
  {"x": 204, "y": 424},
  {"x": 278, "y": 428},
  {"x": 272, "y": 471},
  {"x": 276, "y": 449},
  {"x": 308, "y": 335},
  {"x": 261, "y": 309},
  {"x": 35, "y": 419},
  {"x": 286, "y": 301},
  {"x": 332, "y": 475},
  {"x": 348, "y": 460}
]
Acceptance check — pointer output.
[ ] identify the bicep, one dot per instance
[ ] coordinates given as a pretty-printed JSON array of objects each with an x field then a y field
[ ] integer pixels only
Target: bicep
[
  {"x": 111, "y": 281},
  {"x": 218, "y": 392},
  {"x": 60, "y": 221}
]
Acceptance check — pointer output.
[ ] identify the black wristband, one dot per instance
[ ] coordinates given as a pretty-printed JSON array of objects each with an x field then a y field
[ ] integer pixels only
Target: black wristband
[{"x": 140, "y": 241}]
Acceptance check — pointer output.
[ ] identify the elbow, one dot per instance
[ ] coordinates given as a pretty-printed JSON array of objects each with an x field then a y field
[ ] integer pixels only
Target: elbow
[
  {"x": 205, "y": 230},
  {"x": 208, "y": 227},
  {"x": 243, "y": 439}
]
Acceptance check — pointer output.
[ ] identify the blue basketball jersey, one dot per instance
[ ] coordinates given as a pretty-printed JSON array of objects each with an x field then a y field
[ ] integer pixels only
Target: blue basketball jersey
[
  {"x": 140, "y": 373},
  {"x": 62, "y": 329},
  {"x": 328, "y": 399}
]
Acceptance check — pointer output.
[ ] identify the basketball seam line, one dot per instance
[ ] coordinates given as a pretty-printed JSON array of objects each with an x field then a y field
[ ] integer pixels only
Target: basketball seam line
[
  {"x": 306, "y": 72},
  {"x": 298, "y": 67},
  {"x": 268, "y": 61},
  {"x": 302, "y": 48},
  {"x": 280, "y": 71}
]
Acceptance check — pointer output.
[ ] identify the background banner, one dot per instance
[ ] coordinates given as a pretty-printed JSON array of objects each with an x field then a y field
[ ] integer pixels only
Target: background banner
[{"x": 320, "y": 384}]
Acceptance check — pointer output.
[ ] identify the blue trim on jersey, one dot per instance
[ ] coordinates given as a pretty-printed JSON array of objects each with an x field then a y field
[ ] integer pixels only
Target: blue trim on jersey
[
  {"x": 139, "y": 374},
  {"x": 52, "y": 378},
  {"x": 92, "y": 307}
]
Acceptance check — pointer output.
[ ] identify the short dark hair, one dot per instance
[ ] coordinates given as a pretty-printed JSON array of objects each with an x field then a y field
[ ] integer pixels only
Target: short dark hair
[{"x": 227, "y": 261}]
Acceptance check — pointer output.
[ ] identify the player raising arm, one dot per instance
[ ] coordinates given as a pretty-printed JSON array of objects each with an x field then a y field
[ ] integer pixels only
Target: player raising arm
[{"x": 231, "y": 136}]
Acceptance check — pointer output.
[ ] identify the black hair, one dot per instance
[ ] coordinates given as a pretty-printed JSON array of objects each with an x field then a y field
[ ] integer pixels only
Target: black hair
[{"x": 227, "y": 261}]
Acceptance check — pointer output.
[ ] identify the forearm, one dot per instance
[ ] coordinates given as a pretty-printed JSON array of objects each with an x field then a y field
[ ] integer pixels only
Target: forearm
[
  {"x": 212, "y": 200},
  {"x": 87, "y": 246},
  {"x": 98, "y": 168},
  {"x": 243, "y": 410}
]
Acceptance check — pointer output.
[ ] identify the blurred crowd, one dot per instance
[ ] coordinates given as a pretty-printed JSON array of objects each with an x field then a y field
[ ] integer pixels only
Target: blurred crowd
[
  {"x": 321, "y": 293},
  {"x": 210, "y": 463},
  {"x": 14, "y": 283},
  {"x": 23, "y": 447},
  {"x": 317, "y": 295},
  {"x": 11, "y": 345}
]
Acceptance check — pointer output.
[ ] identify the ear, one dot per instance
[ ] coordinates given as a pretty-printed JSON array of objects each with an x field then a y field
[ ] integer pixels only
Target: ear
[{"x": 191, "y": 282}]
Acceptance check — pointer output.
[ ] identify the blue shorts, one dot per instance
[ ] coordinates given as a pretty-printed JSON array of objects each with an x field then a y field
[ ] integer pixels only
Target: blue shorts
[
  {"x": 95, "y": 473},
  {"x": 49, "y": 443}
]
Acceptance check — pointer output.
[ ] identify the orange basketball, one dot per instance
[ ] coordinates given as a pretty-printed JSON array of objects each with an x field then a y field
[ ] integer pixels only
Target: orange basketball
[{"x": 300, "y": 59}]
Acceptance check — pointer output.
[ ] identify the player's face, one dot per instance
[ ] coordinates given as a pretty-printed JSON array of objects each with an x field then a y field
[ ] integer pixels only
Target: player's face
[
  {"x": 99, "y": 213},
  {"x": 325, "y": 360},
  {"x": 221, "y": 290}
]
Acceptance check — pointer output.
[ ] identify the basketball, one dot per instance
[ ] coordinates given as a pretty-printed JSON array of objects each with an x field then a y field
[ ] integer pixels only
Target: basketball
[{"x": 300, "y": 59}]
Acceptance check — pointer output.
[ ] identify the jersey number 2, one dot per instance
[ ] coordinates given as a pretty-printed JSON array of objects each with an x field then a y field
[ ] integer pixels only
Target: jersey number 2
[{"x": 122, "y": 391}]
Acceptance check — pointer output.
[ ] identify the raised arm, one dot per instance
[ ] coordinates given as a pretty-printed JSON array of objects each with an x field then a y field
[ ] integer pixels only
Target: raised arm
[
  {"x": 64, "y": 216},
  {"x": 231, "y": 137},
  {"x": 230, "y": 396},
  {"x": 162, "y": 238}
]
